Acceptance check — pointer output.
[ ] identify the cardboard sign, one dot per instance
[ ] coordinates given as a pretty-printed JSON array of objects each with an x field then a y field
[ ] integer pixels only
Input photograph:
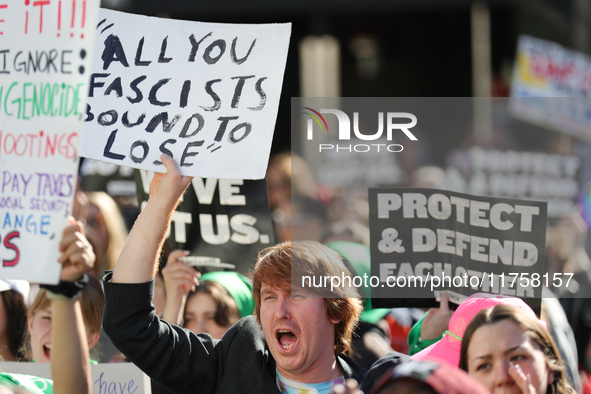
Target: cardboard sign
[
  {"x": 525, "y": 175},
  {"x": 227, "y": 219},
  {"x": 552, "y": 87},
  {"x": 119, "y": 378},
  {"x": 206, "y": 94},
  {"x": 424, "y": 241},
  {"x": 45, "y": 60}
]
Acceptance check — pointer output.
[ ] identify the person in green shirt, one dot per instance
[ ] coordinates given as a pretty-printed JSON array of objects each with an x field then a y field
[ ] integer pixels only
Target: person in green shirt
[{"x": 210, "y": 304}]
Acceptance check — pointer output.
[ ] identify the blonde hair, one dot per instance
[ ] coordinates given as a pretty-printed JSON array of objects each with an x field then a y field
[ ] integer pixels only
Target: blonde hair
[
  {"x": 113, "y": 220},
  {"x": 92, "y": 303}
]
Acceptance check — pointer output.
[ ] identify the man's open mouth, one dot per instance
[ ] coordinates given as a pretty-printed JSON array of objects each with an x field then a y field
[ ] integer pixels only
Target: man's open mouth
[{"x": 286, "y": 339}]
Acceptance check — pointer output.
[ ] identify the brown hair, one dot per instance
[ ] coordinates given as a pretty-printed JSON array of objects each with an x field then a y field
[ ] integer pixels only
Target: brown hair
[
  {"x": 226, "y": 313},
  {"x": 314, "y": 260},
  {"x": 16, "y": 331},
  {"x": 92, "y": 303},
  {"x": 535, "y": 332}
]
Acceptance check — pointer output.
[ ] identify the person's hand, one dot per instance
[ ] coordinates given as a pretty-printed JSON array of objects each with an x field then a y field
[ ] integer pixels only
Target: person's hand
[
  {"x": 350, "y": 387},
  {"x": 139, "y": 258},
  {"x": 437, "y": 320},
  {"x": 77, "y": 257},
  {"x": 522, "y": 380},
  {"x": 179, "y": 279},
  {"x": 169, "y": 187}
]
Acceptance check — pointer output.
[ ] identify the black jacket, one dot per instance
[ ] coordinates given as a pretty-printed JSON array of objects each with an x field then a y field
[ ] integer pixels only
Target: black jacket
[{"x": 185, "y": 362}]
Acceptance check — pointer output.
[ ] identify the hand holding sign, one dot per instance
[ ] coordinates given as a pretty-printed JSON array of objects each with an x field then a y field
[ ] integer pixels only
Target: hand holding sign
[
  {"x": 168, "y": 188},
  {"x": 77, "y": 257},
  {"x": 179, "y": 279}
]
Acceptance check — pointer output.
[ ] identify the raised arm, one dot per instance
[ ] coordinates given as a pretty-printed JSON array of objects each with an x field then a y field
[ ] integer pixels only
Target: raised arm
[
  {"x": 138, "y": 260},
  {"x": 70, "y": 366},
  {"x": 179, "y": 279},
  {"x": 172, "y": 356}
]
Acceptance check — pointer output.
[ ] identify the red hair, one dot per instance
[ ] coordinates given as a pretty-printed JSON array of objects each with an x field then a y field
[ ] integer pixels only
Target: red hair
[{"x": 315, "y": 260}]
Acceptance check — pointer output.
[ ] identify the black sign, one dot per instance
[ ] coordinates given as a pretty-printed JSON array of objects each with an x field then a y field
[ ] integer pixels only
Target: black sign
[
  {"x": 424, "y": 241},
  {"x": 224, "y": 218}
]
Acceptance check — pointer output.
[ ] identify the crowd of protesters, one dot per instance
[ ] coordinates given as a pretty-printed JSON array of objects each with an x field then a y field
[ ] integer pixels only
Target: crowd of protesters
[{"x": 224, "y": 332}]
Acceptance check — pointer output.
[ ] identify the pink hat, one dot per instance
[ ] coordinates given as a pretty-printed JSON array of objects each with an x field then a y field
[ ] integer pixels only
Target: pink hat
[{"x": 448, "y": 348}]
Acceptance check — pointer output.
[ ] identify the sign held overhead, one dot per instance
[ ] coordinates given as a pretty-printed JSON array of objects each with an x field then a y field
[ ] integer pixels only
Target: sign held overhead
[{"x": 206, "y": 94}]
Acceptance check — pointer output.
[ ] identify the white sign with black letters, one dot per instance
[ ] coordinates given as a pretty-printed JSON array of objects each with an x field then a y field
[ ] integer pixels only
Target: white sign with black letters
[{"x": 206, "y": 94}]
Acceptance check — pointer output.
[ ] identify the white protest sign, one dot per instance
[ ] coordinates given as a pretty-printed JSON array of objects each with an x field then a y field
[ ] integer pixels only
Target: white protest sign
[
  {"x": 551, "y": 87},
  {"x": 516, "y": 174},
  {"x": 547, "y": 69},
  {"x": 113, "y": 378},
  {"x": 44, "y": 72},
  {"x": 206, "y": 94}
]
